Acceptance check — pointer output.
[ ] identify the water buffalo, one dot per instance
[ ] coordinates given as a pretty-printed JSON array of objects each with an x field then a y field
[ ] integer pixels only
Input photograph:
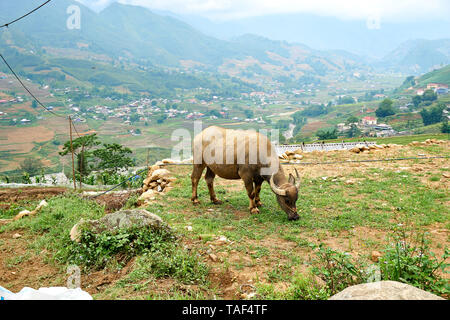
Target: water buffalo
[{"x": 246, "y": 155}]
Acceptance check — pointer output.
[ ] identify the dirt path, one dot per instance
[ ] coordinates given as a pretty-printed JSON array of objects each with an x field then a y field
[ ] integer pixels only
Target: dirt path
[{"x": 29, "y": 193}]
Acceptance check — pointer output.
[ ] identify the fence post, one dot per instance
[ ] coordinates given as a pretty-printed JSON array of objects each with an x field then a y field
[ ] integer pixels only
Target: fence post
[{"x": 71, "y": 149}]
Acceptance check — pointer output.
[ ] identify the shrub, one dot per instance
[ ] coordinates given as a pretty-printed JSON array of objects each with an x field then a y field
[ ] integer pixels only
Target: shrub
[
  {"x": 337, "y": 269},
  {"x": 97, "y": 250},
  {"x": 414, "y": 263}
]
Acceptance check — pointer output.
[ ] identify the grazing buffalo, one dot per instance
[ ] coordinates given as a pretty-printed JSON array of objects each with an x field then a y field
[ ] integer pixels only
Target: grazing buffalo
[{"x": 246, "y": 155}]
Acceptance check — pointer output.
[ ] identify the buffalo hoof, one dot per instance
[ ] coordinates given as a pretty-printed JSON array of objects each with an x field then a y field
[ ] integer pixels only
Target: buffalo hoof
[
  {"x": 294, "y": 218},
  {"x": 217, "y": 201},
  {"x": 259, "y": 204},
  {"x": 195, "y": 202},
  {"x": 254, "y": 210}
]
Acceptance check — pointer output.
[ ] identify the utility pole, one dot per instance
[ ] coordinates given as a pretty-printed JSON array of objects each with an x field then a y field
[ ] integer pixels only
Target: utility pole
[{"x": 71, "y": 149}]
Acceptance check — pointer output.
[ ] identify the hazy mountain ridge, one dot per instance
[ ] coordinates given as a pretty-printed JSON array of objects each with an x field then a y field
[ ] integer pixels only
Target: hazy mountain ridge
[
  {"x": 137, "y": 34},
  {"x": 140, "y": 36}
]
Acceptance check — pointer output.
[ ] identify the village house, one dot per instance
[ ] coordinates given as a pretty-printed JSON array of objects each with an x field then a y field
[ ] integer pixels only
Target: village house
[
  {"x": 368, "y": 121},
  {"x": 434, "y": 86}
]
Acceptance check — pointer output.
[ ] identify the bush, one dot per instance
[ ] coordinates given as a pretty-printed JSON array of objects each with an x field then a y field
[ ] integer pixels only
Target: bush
[
  {"x": 414, "y": 263},
  {"x": 97, "y": 250},
  {"x": 408, "y": 262},
  {"x": 337, "y": 269}
]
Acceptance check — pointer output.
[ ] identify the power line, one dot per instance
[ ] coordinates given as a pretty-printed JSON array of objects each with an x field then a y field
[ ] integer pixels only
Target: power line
[
  {"x": 25, "y": 87},
  {"x": 10, "y": 23}
]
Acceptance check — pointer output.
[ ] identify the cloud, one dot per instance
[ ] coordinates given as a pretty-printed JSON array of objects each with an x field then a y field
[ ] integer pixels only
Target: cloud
[{"x": 387, "y": 10}]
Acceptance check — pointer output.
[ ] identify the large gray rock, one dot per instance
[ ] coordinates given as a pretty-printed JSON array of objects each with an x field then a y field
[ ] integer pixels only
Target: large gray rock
[
  {"x": 117, "y": 220},
  {"x": 384, "y": 290}
]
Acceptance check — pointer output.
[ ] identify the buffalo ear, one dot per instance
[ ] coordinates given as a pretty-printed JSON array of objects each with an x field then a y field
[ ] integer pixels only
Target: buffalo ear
[{"x": 291, "y": 179}]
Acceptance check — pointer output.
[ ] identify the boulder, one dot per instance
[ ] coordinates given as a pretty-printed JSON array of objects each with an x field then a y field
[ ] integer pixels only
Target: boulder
[
  {"x": 117, "y": 220},
  {"x": 355, "y": 150},
  {"x": 384, "y": 290},
  {"x": 159, "y": 173},
  {"x": 146, "y": 196}
]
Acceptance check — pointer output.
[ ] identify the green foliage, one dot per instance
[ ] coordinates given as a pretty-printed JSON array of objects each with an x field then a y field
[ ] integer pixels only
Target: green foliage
[
  {"x": 315, "y": 111},
  {"x": 445, "y": 127},
  {"x": 97, "y": 250},
  {"x": 411, "y": 261},
  {"x": 325, "y": 134},
  {"x": 385, "y": 109},
  {"x": 433, "y": 115},
  {"x": 81, "y": 148},
  {"x": 353, "y": 131},
  {"x": 112, "y": 157},
  {"x": 302, "y": 287},
  {"x": 31, "y": 166},
  {"x": 282, "y": 124},
  {"x": 249, "y": 113},
  {"x": 169, "y": 260},
  {"x": 346, "y": 100},
  {"x": 352, "y": 119},
  {"x": 337, "y": 269}
]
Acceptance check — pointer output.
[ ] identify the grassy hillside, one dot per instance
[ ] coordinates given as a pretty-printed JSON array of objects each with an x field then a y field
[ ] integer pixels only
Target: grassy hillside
[
  {"x": 439, "y": 75},
  {"x": 224, "y": 252}
]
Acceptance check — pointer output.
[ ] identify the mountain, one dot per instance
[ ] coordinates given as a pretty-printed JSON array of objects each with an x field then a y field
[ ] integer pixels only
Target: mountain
[
  {"x": 417, "y": 56},
  {"x": 137, "y": 35},
  {"x": 324, "y": 32},
  {"x": 441, "y": 75}
]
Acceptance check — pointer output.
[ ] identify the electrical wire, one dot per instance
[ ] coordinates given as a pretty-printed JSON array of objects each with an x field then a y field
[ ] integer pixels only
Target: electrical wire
[{"x": 20, "y": 18}]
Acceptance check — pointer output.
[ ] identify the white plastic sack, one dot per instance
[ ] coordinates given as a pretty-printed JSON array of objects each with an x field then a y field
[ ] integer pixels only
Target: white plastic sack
[{"x": 52, "y": 293}]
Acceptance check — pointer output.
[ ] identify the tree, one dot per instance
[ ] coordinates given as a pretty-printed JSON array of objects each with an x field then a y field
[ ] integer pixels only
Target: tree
[
  {"x": 352, "y": 119},
  {"x": 298, "y": 118},
  {"x": 416, "y": 100},
  {"x": 434, "y": 115},
  {"x": 429, "y": 95},
  {"x": 353, "y": 131},
  {"x": 249, "y": 113},
  {"x": 81, "y": 147},
  {"x": 34, "y": 104},
  {"x": 385, "y": 109},
  {"x": 113, "y": 157},
  {"x": 31, "y": 166},
  {"x": 445, "y": 127},
  {"x": 327, "y": 134},
  {"x": 161, "y": 118}
]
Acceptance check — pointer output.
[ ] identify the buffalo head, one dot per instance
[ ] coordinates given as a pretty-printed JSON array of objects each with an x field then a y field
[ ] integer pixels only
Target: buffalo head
[{"x": 287, "y": 195}]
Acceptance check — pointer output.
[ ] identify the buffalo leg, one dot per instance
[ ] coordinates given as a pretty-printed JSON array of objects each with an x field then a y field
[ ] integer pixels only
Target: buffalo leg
[
  {"x": 248, "y": 181},
  {"x": 195, "y": 178},
  {"x": 258, "y": 183},
  {"x": 209, "y": 177}
]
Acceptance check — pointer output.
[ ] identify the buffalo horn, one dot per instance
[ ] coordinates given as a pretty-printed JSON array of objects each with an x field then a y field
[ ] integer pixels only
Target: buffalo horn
[{"x": 275, "y": 189}]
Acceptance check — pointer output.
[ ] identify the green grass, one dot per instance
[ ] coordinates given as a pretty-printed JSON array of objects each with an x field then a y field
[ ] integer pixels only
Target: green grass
[{"x": 379, "y": 200}]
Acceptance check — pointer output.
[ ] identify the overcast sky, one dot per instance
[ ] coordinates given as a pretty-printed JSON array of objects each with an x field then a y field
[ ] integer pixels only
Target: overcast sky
[{"x": 387, "y": 10}]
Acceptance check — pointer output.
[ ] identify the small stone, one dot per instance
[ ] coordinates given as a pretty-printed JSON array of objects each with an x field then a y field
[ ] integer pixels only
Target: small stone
[
  {"x": 16, "y": 235},
  {"x": 375, "y": 256},
  {"x": 446, "y": 175},
  {"x": 189, "y": 228},
  {"x": 349, "y": 182},
  {"x": 213, "y": 257}
]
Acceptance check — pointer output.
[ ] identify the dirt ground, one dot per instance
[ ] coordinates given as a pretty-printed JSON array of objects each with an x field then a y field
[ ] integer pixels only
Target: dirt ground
[{"x": 11, "y": 195}]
